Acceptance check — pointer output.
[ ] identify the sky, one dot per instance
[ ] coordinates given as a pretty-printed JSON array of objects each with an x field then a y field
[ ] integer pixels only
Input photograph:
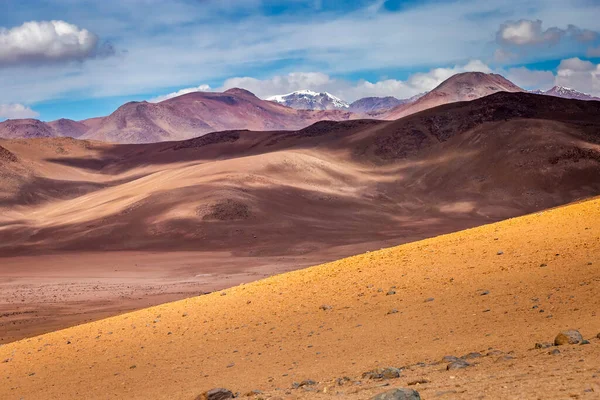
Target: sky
[{"x": 83, "y": 58}]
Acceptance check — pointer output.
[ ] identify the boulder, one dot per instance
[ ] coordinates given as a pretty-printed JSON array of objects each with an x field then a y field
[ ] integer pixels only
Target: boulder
[
  {"x": 383, "y": 373},
  {"x": 568, "y": 337},
  {"x": 216, "y": 394},
  {"x": 398, "y": 394}
]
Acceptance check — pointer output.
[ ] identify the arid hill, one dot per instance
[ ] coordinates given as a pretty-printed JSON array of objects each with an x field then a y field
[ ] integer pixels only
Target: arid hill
[
  {"x": 460, "y": 87},
  {"x": 196, "y": 114},
  {"x": 183, "y": 117},
  {"x": 245, "y": 204},
  {"x": 487, "y": 295},
  {"x": 464, "y": 164}
]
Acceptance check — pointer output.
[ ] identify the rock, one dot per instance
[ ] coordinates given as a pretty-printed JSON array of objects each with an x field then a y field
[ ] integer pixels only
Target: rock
[
  {"x": 393, "y": 311},
  {"x": 326, "y": 307},
  {"x": 253, "y": 393},
  {"x": 429, "y": 300},
  {"x": 554, "y": 352},
  {"x": 470, "y": 356},
  {"x": 500, "y": 253},
  {"x": 460, "y": 364},
  {"x": 342, "y": 381},
  {"x": 484, "y": 293},
  {"x": 391, "y": 292},
  {"x": 449, "y": 359},
  {"x": 383, "y": 373},
  {"x": 543, "y": 345},
  {"x": 598, "y": 336},
  {"x": 568, "y": 337},
  {"x": 421, "y": 381},
  {"x": 216, "y": 394},
  {"x": 584, "y": 341},
  {"x": 398, "y": 394}
]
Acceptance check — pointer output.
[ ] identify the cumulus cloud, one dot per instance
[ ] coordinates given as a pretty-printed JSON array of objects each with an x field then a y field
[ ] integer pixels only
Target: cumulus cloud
[
  {"x": 349, "y": 91},
  {"x": 48, "y": 41},
  {"x": 527, "y": 32},
  {"x": 201, "y": 88},
  {"x": 530, "y": 78},
  {"x": 580, "y": 75},
  {"x": 16, "y": 110}
]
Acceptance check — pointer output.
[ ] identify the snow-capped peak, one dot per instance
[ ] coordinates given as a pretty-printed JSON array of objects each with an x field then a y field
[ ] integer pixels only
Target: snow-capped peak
[
  {"x": 568, "y": 93},
  {"x": 310, "y": 100}
]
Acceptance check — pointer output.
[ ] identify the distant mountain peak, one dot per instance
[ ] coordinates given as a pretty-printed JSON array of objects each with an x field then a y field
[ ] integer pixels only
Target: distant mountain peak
[
  {"x": 310, "y": 100},
  {"x": 566, "y": 93}
]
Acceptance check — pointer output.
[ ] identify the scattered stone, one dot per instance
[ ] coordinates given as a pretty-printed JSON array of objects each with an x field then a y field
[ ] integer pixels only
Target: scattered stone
[
  {"x": 500, "y": 253},
  {"x": 133, "y": 367},
  {"x": 253, "y": 393},
  {"x": 494, "y": 353},
  {"x": 306, "y": 382},
  {"x": 393, "y": 311},
  {"x": 470, "y": 356},
  {"x": 391, "y": 292},
  {"x": 554, "y": 352},
  {"x": 429, "y": 300},
  {"x": 484, "y": 293},
  {"x": 568, "y": 337},
  {"x": 460, "y": 364},
  {"x": 326, "y": 307},
  {"x": 543, "y": 345},
  {"x": 342, "y": 381},
  {"x": 216, "y": 394},
  {"x": 383, "y": 373},
  {"x": 398, "y": 394},
  {"x": 421, "y": 381}
]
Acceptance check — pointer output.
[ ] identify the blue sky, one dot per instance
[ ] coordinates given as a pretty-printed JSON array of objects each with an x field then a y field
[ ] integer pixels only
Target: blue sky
[{"x": 83, "y": 58}]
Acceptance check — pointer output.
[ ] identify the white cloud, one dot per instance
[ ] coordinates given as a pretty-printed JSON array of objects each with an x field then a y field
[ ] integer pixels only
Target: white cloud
[
  {"x": 14, "y": 110},
  {"x": 45, "y": 41},
  {"x": 201, "y": 88},
  {"x": 580, "y": 75},
  {"x": 526, "y": 32},
  {"x": 531, "y": 79},
  {"x": 181, "y": 43}
]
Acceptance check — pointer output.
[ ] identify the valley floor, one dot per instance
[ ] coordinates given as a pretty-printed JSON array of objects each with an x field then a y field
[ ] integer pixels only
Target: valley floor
[{"x": 497, "y": 289}]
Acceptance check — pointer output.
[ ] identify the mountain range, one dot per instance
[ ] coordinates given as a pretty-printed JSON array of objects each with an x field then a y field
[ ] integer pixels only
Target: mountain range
[
  {"x": 196, "y": 114},
  {"x": 566, "y": 93}
]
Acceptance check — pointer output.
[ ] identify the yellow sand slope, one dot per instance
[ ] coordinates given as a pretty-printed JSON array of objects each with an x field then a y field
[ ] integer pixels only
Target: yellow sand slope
[{"x": 541, "y": 274}]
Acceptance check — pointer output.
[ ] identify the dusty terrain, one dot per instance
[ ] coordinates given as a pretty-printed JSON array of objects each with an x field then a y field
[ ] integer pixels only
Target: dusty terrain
[
  {"x": 78, "y": 216},
  {"x": 497, "y": 289}
]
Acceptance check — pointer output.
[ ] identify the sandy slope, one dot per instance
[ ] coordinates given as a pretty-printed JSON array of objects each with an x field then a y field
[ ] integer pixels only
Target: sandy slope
[{"x": 267, "y": 334}]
